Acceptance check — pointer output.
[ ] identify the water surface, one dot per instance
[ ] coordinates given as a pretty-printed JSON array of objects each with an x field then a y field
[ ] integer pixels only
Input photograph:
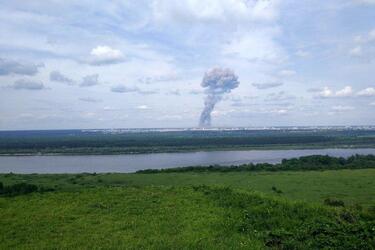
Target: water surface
[{"x": 132, "y": 163}]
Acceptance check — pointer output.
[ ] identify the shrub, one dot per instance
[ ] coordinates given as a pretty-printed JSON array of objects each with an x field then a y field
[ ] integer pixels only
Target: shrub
[
  {"x": 334, "y": 202},
  {"x": 276, "y": 190},
  {"x": 19, "y": 188}
]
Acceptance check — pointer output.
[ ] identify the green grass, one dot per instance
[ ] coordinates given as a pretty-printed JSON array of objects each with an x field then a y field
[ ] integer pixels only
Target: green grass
[
  {"x": 176, "y": 218},
  {"x": 234, "y": 210},
  {"x": 351, "y": 186}
]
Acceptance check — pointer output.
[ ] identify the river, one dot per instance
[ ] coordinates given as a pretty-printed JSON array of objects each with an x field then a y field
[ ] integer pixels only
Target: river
[{"x": 132, "y": 163}]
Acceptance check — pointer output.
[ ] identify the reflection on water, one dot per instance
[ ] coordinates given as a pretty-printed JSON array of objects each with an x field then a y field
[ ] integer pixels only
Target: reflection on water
[{"x": 132, "y": 163}]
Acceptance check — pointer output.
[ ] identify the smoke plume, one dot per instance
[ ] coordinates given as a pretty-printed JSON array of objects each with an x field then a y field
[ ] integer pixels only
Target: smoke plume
[{"x": 217, "y": 82}]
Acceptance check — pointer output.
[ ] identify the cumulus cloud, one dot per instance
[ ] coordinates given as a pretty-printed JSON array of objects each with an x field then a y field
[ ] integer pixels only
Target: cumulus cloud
[
  {"x": 367, "y": 92},
  {"x": 326, "y": 92},
  {"x": 56, "y": 76},
  {"x": 102, "y": 55},
  {"x": 90, "y": 80},
  {"x": 27, "y": 84},
  {"x": 345, "y": 92},
  {"x": 267, "y": 85},
  {"x": 11, "y": 67}
]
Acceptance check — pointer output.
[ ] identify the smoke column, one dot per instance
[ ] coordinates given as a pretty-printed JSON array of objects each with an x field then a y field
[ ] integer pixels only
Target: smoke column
[{"x": 217, "y": 82}]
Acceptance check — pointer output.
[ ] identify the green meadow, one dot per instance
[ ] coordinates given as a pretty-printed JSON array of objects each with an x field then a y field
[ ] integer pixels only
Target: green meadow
[
  {"x": 332, "y": 209},
  {"x": 351, "y": 186}
]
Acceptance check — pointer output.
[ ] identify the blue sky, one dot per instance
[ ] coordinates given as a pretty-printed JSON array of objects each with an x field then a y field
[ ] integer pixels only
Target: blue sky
[{"x": 119, "y": 64}]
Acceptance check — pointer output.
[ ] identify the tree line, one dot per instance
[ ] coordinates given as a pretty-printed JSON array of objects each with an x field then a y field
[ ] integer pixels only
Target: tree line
[{"x": 313, "y": 162}]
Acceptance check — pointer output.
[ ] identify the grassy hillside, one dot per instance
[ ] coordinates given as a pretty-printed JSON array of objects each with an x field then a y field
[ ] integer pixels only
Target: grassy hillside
[
  {"x": 207, "y": 210},
  {"x": 198, "y": 217},
  {"x": 351, "y": 186}
]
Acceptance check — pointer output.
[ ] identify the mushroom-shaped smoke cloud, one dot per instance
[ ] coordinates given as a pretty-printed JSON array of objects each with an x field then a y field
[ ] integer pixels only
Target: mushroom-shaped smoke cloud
[{"x": 217, "y": 82}]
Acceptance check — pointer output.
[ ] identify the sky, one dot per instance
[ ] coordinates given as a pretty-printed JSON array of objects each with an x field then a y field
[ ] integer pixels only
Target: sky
[{"x": 129, "y": 64}]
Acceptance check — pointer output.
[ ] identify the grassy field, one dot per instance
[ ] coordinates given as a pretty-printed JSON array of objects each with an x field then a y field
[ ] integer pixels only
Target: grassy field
[
  {"x": 351, "y": 186},
  {"x": 235, "y": 210}
]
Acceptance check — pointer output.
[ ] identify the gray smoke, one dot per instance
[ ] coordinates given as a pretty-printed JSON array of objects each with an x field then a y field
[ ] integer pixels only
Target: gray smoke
[{"x": 217, "y": 82}]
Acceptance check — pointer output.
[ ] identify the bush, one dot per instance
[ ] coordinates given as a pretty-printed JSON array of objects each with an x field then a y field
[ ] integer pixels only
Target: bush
[
  {"x": 334, "y": 202},
  {"x": 19, "y": 189},
  {"x": 278, "y": 191}
]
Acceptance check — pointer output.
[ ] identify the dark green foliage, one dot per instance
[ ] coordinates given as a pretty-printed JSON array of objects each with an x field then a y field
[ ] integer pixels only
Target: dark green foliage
[
  {"x": 334, "y": 202},
  {"x": 104, "y": 142},
  {"x": 314, "y": 162},
  {"x": 284, "y": 225},
  {"x": 22, "y": 188},
  {"x": 278, "y": 191},
  {"x": 19, "y": 189}
]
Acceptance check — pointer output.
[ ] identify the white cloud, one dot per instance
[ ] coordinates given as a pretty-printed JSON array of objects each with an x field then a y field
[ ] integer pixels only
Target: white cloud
[
  {"x": 326, "y": 92},
  {"x": 364, "y": 46},
  {"x": 372, "y": 104},
  {"x": 287, "y": 72},
  {"x": 142, "y": 107},
  {"x": 230, "y": 11},
  {"x": 256, "y": 46},
  {"x": 357, "y": 51},
  {"x": 367, "y": 92},
  {"x": 28, "y": 85},
  {"x": 105, "y": 55},
  {"x": 345, "y": 92},
  {"x": 282, "y": 111}
]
